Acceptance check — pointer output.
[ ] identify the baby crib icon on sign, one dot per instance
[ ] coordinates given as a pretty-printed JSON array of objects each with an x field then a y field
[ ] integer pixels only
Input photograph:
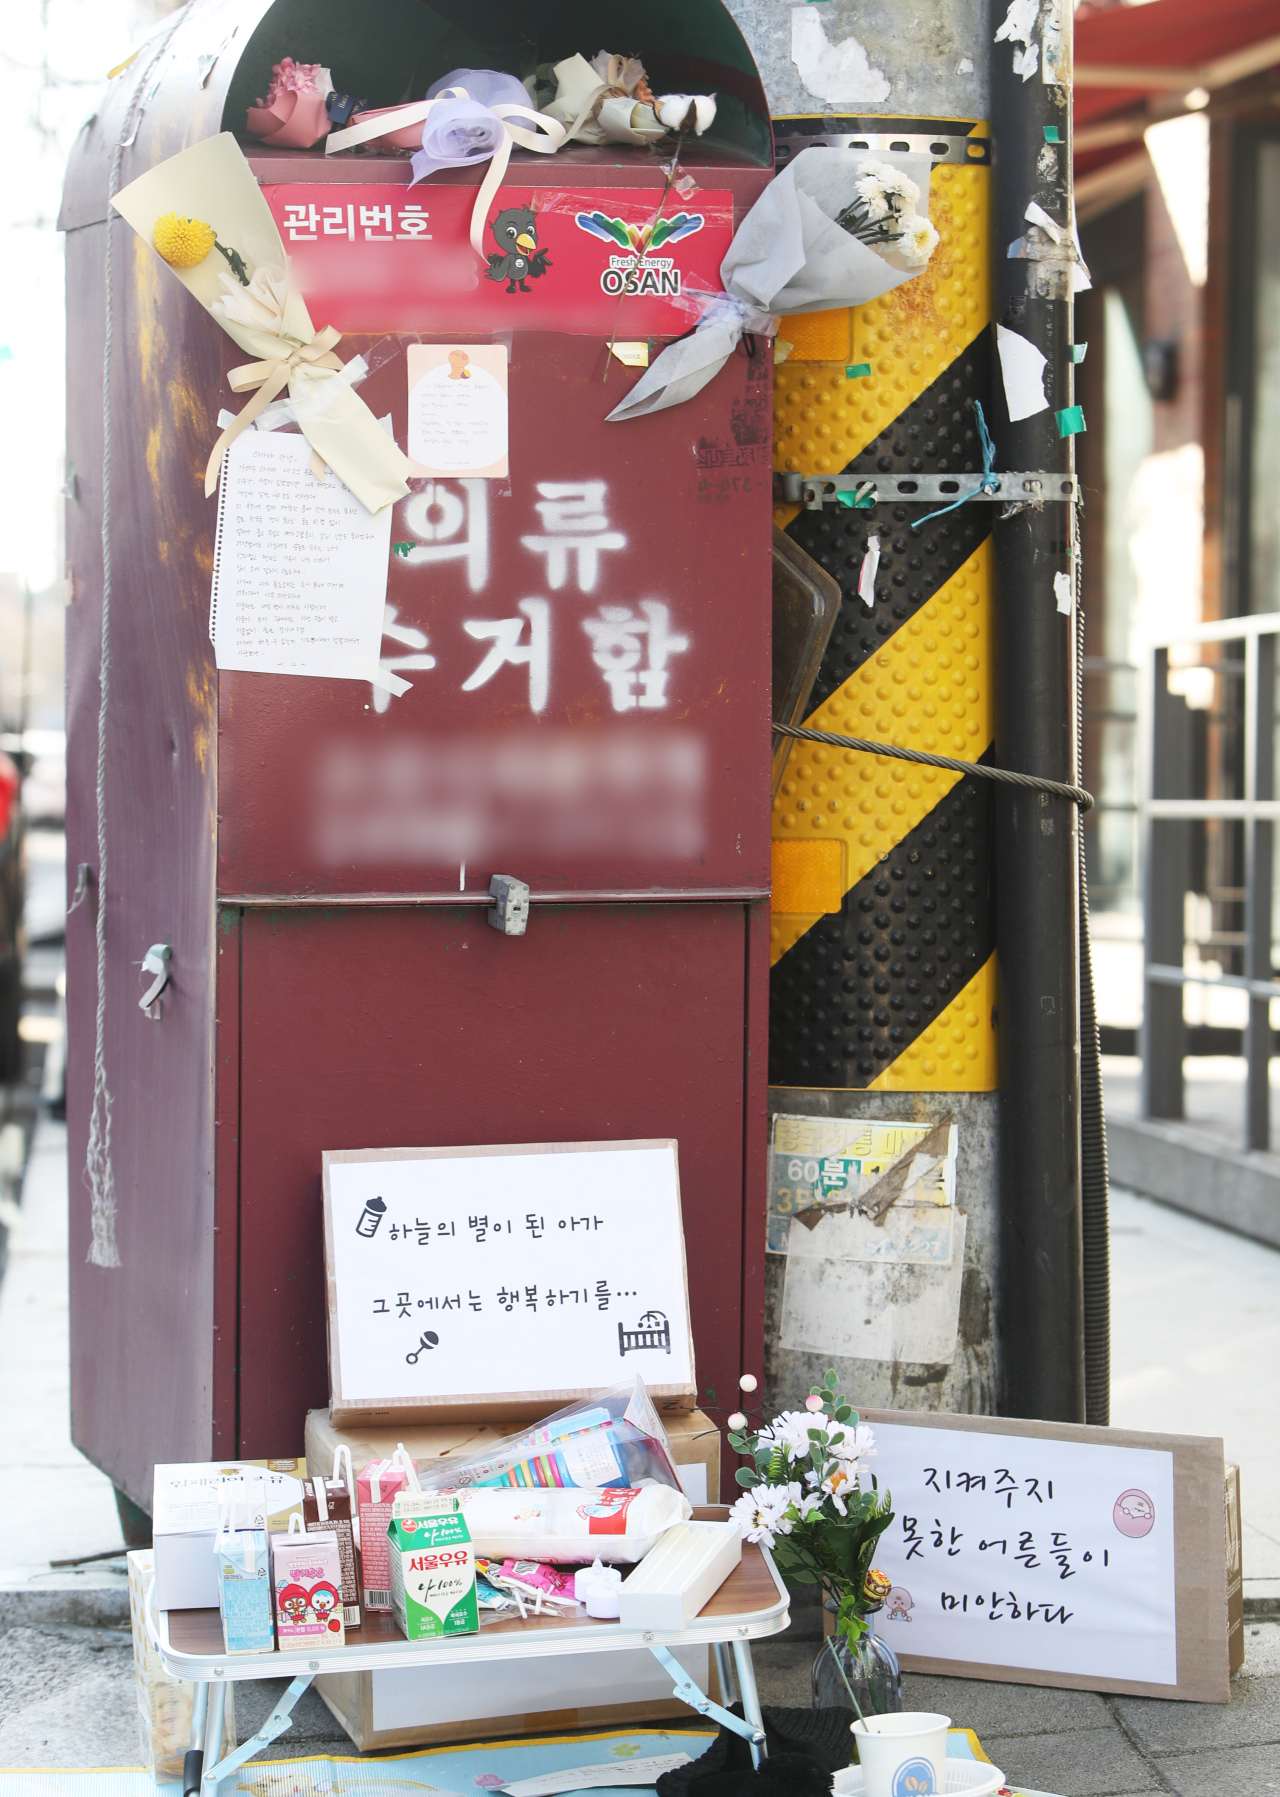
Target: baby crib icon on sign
[{"x": 652, "y": 1331}]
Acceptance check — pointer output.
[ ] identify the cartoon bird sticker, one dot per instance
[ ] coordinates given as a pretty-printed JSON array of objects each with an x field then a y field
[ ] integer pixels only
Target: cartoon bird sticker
[
  {"x": 517, "y": 255},
  {"x": 640, "y": 239}
]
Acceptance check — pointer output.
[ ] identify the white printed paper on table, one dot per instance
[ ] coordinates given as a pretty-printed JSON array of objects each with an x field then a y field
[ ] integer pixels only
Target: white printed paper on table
[
  {"x": 299, "y": 567},
  {"x": 487, "y": 1271},
  {"x": 1029, "y": 1553},
  {"x": 458, "y": 409}
]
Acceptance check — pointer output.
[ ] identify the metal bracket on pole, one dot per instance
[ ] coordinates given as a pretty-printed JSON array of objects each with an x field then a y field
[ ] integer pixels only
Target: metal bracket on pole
[
  {"x": 689, "y": 1693},
  {"x": 813, "y": 491},
  {"x": 276, "y": 1724}
]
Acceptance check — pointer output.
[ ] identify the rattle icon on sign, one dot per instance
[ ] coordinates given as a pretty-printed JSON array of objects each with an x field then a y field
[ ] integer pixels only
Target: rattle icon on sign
[
  {"x": 429, "y": 1340},
  {"x": 652, "y": 1331}
]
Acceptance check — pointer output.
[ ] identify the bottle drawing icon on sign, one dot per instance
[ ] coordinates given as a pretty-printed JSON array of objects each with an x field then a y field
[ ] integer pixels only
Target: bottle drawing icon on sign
[
  {"x": 370, "y": 1217},
  {"x": 652, "y": 1331}
]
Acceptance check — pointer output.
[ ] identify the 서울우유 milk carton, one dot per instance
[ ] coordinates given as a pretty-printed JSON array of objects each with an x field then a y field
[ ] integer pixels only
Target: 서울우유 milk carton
[{"x": 433, "y": 1575}]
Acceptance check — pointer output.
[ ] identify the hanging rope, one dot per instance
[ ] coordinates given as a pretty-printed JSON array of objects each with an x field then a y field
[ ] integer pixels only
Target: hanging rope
[
  {"x": 1076, "y": 794},
  {"x": 103, "y": 1251}
]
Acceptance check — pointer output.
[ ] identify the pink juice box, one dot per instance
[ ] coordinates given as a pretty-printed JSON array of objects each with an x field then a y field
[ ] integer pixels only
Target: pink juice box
[
  {"x": 377, "y": 1488},
  {"x": 306, "y": 1576}
]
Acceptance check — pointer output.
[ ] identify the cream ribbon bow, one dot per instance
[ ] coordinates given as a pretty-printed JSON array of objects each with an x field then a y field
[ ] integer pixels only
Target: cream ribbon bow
[
  {"x": 546, "y": 139},
  {"x": 270, "y": 378}
]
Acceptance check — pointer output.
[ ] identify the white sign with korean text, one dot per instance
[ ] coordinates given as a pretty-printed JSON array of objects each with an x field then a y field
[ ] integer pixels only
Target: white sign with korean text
[
  {"x": 488, "y": 1271},
  {"x": 1027, "y": 1552}
]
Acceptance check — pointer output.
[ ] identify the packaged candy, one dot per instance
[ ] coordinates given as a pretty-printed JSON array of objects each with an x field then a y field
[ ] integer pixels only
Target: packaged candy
[
  {"x": 433, "y": 1572},
  {"x": 376, "y": 1489},
  {"x": 330, "y": 1505},
  {"x": 306, "y": 1572}
]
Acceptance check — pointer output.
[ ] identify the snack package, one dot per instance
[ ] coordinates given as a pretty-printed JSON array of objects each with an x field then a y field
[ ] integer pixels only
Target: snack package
[
  {"x": 433, "y": 1572},
  {"x": 164, "y": 1702},
  {"x": 569, "y": 1527},
  {"x": 244, "y": 1576},
  {"x": 330, "y": 1505},
  {"x": 378, "y": 1486},
  {"x": 612, "y": 1439},
  {"x": 306, "y": 1573}
]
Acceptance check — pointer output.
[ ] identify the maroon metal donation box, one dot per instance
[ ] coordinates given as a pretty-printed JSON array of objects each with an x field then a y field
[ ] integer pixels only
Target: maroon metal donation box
[
  {"x": 571, "y": 688},
  {"x": 585, "y": 639}
]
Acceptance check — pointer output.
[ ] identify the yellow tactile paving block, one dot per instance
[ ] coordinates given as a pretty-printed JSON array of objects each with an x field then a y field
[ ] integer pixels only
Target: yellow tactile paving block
[
  {"x": 822, "y": 416},
  {"x": 928, "y": 688},
  {"x": 957, "y": 1053}
]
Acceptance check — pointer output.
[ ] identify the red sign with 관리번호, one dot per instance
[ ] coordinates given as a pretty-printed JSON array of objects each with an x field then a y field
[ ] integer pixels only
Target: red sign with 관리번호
[{"x": 609, "y": 261}]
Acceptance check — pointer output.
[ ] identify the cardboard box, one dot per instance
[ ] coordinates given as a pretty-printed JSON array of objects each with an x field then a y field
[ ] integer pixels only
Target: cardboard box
[
  {"x": 185, "y": 1511},
  {"x": 549, "y": 1695},
  {"x": 164, "y": 1702}
]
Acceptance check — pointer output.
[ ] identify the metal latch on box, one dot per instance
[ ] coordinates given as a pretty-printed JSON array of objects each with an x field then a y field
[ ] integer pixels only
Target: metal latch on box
[
  {"x": 862, "y": 491},
  {"x": 156, "y": 962},
  {"x": 510, "y": 912}
]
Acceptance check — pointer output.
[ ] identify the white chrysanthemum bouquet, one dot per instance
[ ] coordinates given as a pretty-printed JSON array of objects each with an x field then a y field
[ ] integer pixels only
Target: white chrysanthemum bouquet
[
  {"x": 810, "y": 1498},
  {"x": 883, "y": 215}
]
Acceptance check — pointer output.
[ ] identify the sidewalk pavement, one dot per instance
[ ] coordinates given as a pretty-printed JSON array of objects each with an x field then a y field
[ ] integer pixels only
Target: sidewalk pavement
[{"x": 66, "y": 1686}]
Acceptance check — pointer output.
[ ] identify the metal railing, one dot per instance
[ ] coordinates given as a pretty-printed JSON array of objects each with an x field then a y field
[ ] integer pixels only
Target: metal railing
[{"x": 1169, "y": 812}]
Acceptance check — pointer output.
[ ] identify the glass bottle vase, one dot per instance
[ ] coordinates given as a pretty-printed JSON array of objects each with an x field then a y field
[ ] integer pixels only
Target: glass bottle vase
[{"x": 870, "y": 1669}]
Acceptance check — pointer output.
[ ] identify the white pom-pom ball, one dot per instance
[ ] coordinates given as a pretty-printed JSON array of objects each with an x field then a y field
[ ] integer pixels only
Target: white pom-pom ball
[
  {"x": 747, "y": 1382},
  {"x": 737, "y": 1420},
  {"x": 813, "y": 1403},
  {"x": 673, "y": 110}
]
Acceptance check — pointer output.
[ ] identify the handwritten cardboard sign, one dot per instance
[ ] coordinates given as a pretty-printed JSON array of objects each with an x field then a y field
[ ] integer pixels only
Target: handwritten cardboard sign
[
  {"x": 1055, "y": 1554},
  {"x": 489, "y": 1280}
]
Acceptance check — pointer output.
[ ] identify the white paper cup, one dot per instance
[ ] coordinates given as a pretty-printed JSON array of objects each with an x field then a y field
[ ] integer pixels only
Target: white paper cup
[{"x": 903, "y": 1755}]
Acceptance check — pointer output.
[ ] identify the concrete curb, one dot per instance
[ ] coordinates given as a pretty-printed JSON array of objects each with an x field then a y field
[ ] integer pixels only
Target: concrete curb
[
  {"x": 1194, "y": 1173},
  {"x": 100, "y": 1607}
]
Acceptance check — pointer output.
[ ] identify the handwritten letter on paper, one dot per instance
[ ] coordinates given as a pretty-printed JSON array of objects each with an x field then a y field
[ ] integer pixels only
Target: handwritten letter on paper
[
  {"x": 458, "y": 409},
  {"x": 299, "y": 568}
]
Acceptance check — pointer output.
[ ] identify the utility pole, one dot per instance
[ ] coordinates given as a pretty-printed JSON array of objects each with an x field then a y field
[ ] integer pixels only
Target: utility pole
[{"x": 1041, "y": 1308}]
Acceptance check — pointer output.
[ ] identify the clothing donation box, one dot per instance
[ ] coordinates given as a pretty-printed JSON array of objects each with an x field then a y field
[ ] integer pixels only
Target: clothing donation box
[{"x": 342, "y": 740}]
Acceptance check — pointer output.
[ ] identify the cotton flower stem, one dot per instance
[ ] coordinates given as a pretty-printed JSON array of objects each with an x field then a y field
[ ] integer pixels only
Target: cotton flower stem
[{"x": 236, "y": 262}]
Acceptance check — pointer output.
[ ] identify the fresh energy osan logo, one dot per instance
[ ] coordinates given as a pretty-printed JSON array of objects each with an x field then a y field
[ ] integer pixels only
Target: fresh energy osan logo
[{"x": 640, "y": 271}]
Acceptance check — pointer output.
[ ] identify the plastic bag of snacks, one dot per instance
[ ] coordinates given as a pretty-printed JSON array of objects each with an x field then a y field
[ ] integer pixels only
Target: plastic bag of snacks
[{"x": 613, "y": 1439}]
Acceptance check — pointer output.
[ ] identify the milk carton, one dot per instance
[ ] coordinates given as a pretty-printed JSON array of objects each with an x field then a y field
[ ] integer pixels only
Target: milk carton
[
  {"x": 377, "y": 1488},
  {"x": 433, "y": 1572},
  {"x": 244, "y": 1591},
  {"x": 327, "y": 1507},
  {"x": 306, "y": 1572}
]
